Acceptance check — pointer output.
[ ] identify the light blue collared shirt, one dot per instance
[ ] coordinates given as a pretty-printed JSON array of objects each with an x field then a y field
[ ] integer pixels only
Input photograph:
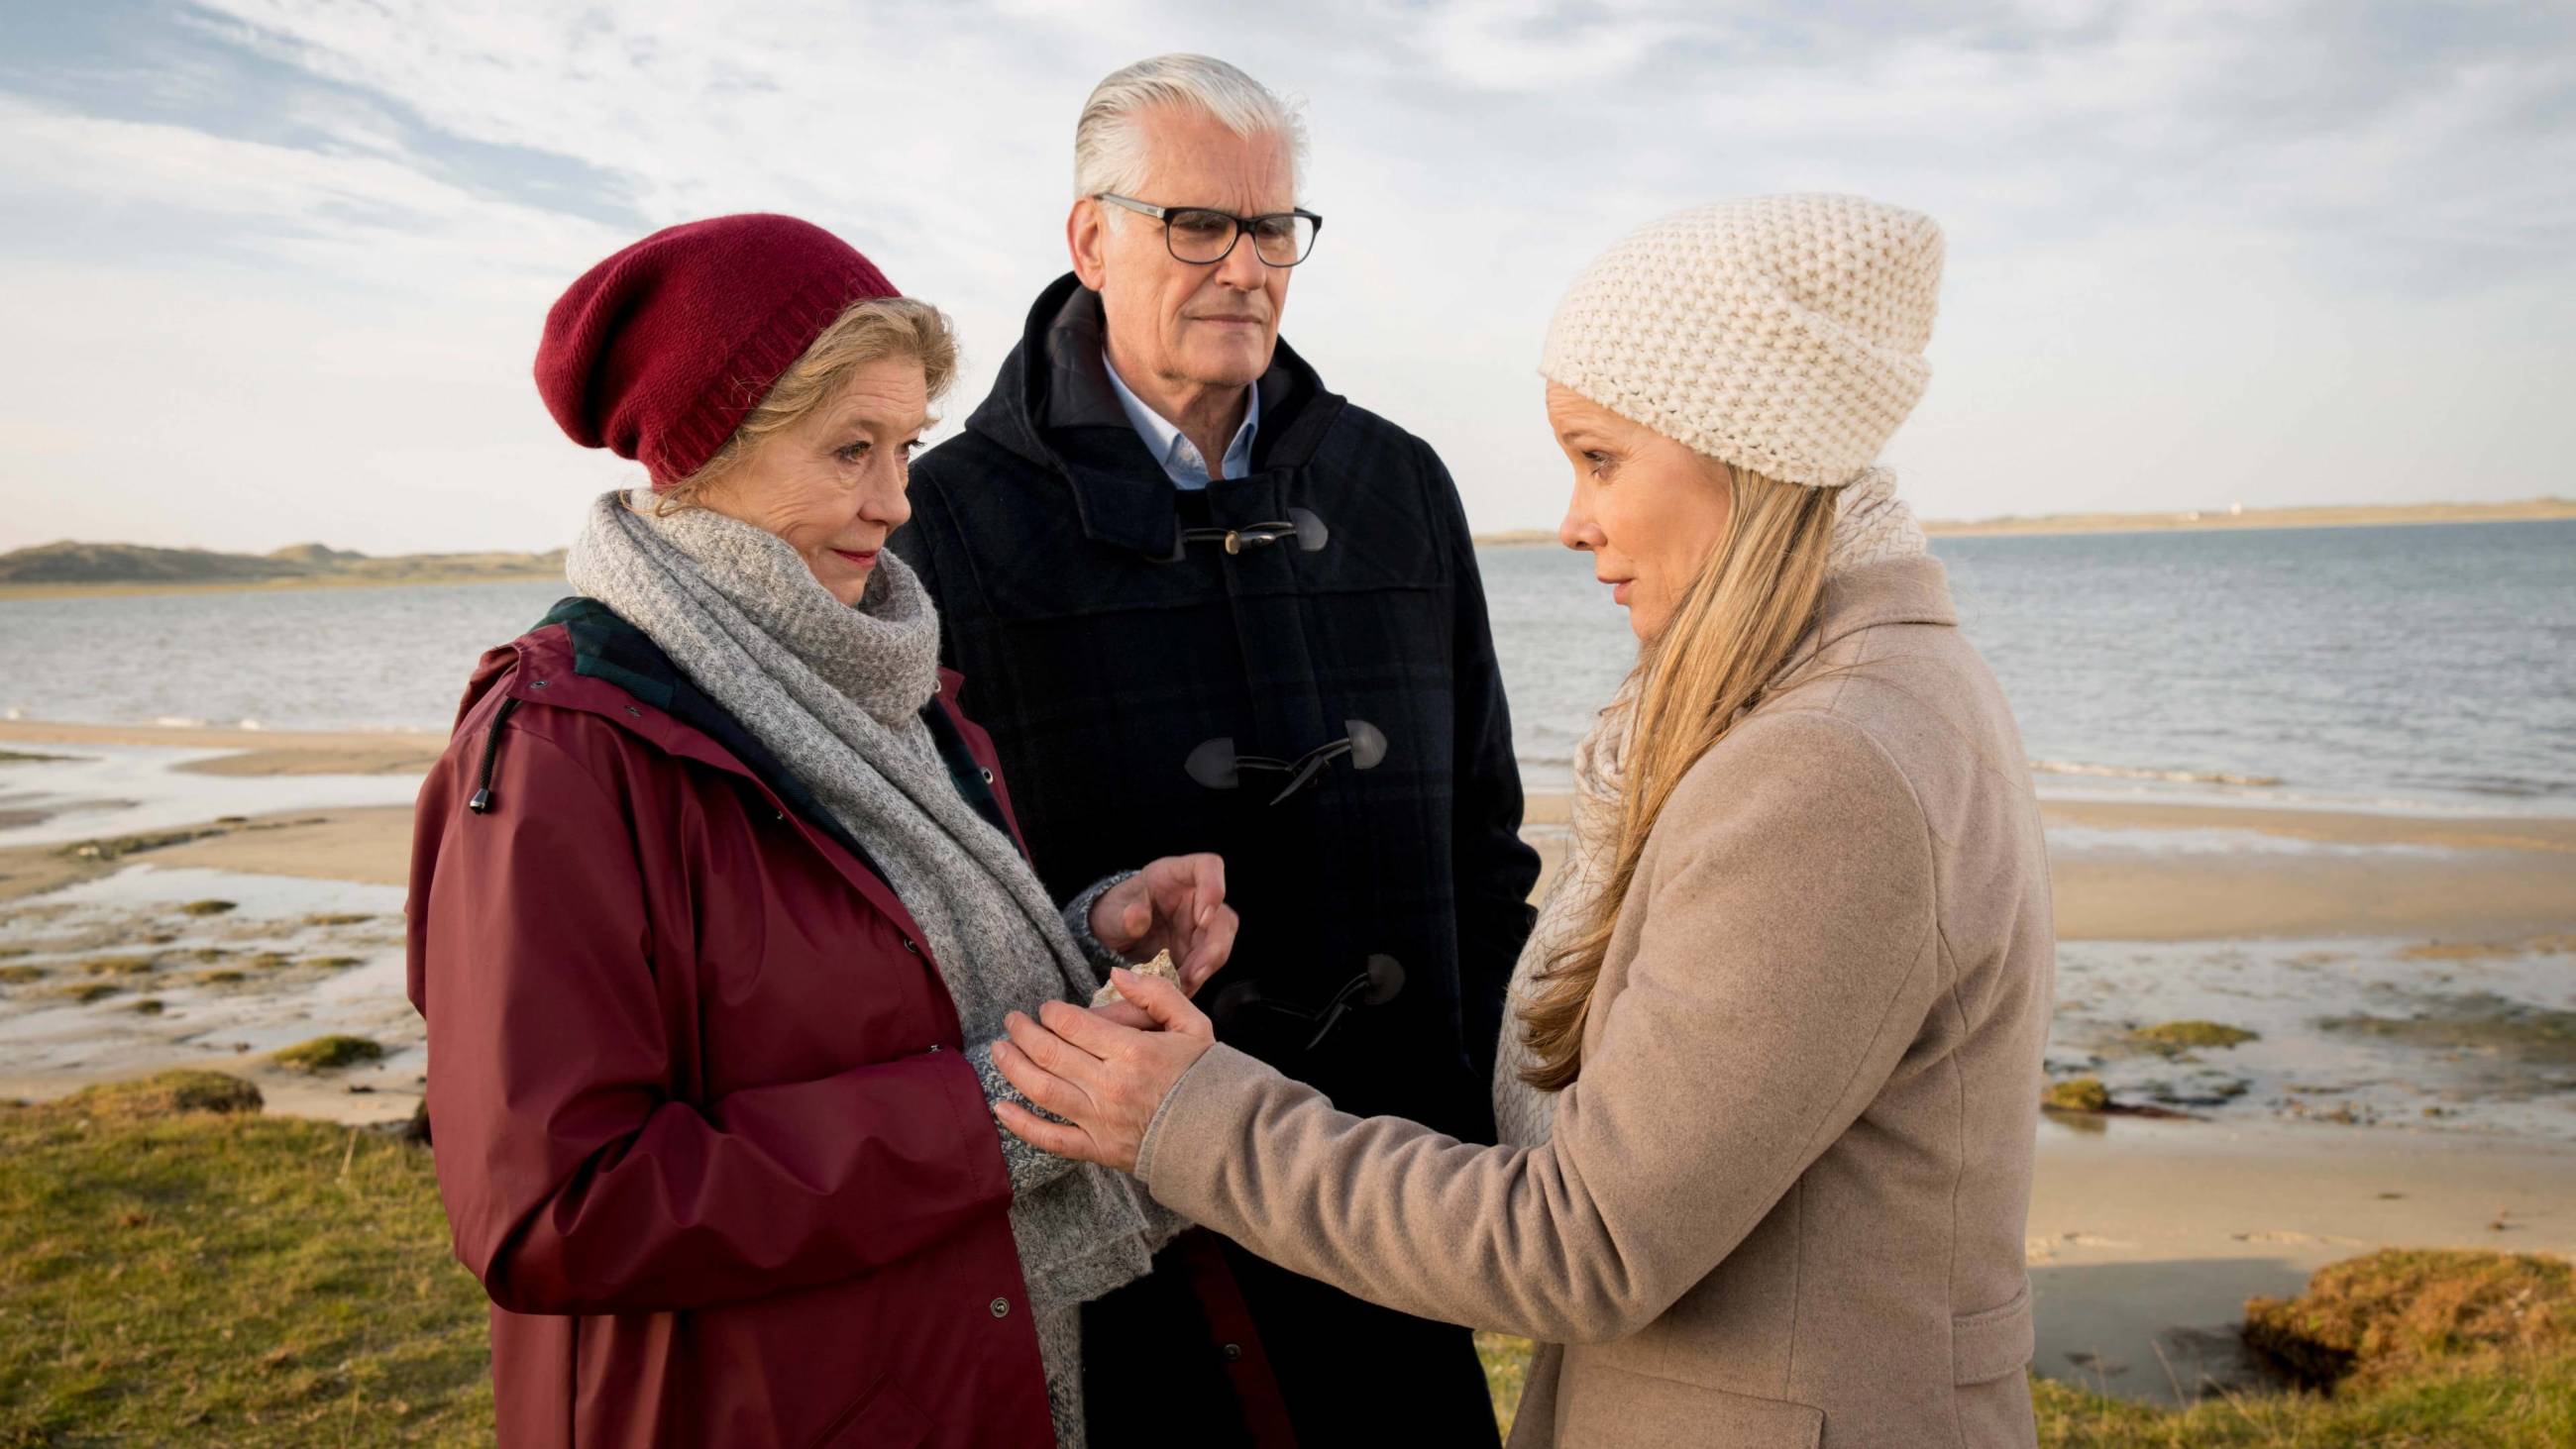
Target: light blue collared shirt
[{"x": 1173, "y": 449}]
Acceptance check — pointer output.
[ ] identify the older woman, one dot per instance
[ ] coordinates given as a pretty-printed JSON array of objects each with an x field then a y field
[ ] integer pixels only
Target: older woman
[
  {"x": 1770, "y": 1103},
  {"x": 711, "y": 889}
]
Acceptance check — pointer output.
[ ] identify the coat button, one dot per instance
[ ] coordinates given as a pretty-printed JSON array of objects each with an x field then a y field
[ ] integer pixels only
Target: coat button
[
  {"x": 1234, "y": 1353},
  {"x": 988, "y": 777},
  {"x": 1001, "y": 1308},
  {"x": 910, "y": 945}
]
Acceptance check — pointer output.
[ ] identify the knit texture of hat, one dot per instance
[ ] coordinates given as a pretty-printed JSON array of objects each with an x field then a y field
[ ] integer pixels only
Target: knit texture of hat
[
  {"x": 659, "y": 352},
  {"x": 1783, "y": 334}
]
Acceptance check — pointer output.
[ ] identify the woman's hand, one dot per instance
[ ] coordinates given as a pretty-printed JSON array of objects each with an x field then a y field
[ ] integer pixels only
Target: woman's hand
[
  {"x": 1176, "y": 904},
  {"x": 1106, "y": 1080}
]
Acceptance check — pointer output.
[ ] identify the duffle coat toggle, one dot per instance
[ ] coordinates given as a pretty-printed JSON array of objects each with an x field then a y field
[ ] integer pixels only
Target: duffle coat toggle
[{"x": 1216, "y": 764}]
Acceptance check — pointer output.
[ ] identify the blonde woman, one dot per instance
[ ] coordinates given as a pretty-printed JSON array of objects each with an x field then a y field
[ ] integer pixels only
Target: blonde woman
[{"x": 1770, "y": 1093}]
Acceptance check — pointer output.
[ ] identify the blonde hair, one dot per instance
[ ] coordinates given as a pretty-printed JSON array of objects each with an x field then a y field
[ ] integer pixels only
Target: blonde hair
[
  {"x": 1727, "y": 640},
  {"x": 865, "y": 332}
]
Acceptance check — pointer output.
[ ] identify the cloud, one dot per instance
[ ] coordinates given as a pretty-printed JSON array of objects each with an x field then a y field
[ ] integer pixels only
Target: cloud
[{"x": 2274, "y": 240}]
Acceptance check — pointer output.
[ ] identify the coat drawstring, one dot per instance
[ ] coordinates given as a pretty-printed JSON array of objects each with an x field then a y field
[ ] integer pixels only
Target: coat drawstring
[{"x": 481, "y": 803}]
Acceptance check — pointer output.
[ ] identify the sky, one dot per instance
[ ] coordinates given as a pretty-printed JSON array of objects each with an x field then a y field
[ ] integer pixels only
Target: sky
[{"x": 273, "y": 271}]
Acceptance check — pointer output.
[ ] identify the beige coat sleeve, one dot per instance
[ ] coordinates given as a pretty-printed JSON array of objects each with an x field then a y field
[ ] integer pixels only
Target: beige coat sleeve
[{"x": 1785, "y": 963}]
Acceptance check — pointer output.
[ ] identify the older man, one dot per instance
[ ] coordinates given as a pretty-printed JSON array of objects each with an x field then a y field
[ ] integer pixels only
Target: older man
[{"x": 1207, "y": 605}]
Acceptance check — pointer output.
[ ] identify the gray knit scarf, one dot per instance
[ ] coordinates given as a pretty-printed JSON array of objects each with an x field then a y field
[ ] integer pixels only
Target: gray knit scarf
[
  {"x": 1871, "y": 525},
  {"x": 836, "y": 694}
]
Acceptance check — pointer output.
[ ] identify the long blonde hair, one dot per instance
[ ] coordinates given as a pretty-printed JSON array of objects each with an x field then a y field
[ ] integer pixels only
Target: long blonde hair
[{"x": 1727, "y": 640}]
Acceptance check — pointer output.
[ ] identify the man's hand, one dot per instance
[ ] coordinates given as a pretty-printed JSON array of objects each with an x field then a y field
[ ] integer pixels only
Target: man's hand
[
  {"x": 1176, "y": 904},
  {"x": 1106, "y": 1080}
]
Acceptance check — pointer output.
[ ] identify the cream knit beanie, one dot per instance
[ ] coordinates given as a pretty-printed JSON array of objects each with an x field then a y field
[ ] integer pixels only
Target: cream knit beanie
[{"x": 1783, "y": 334}]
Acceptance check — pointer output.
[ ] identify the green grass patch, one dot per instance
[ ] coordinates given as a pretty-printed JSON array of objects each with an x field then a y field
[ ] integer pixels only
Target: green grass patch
[
  {"x": 151, "y": 1006},
  {"x": 176, "y": 1268},
  {"x": 207, "y": 908},
  {"x": 2486, "y": 1402},
  {"x": 227, "y": 1279},
  {"x": 165, "y": 1094},
  {"x": 86, "y": 992},
  {"x": 340, "y": 919},
  {"x": 23, "y": 757},
  {"x": 20, "y": 975},
  {"x": 335, "y": 963},
  {"x": 224, "y": 977},
  {"x": 2403, "y": 1311},
  {"x": 328, "y": 1053},
  {"x": 2187, "y": 1035}
]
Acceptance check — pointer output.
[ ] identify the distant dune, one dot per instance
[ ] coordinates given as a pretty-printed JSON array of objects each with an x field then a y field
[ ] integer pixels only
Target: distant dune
[
  {"x": 122, "y": 568},
  {"x": 2372, "y": 515}
]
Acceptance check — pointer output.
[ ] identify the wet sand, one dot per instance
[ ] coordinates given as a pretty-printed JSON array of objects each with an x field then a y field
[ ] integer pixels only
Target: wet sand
[
  {"x": 2145, "y": 1236},
  {"x": 246, "y": 752},
  {"x": 2153, "y": 870}
]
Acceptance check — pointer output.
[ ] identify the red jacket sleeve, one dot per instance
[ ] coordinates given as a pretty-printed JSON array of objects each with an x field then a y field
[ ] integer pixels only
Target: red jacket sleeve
[{"x": 573, "y": 1180}]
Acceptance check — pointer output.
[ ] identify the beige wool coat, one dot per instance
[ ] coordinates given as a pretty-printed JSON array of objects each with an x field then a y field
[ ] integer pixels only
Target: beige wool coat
[{"x": 1784, "y": 1204}]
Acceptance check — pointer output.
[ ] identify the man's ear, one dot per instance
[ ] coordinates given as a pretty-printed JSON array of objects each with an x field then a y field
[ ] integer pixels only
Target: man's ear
[{"x": 1086, "y": 236}]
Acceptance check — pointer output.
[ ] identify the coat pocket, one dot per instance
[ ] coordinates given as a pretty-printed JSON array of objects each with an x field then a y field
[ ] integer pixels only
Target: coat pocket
[
  {"x": 1601, "y": 1407},
  {"x": 1990, "y": 1344},
  {"x": 882, "y": 1417}
]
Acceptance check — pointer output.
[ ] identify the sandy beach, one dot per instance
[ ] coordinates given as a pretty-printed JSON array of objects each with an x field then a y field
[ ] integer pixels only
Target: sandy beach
[{"x": 2407, "y": 978}]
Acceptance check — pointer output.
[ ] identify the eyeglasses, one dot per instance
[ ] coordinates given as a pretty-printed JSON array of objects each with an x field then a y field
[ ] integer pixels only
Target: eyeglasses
[{"x": 1203, "y": 236}]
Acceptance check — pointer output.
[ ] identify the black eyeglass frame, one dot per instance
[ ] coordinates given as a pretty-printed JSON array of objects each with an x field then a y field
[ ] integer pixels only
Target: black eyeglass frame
[{"x": 1243, "y": 226}]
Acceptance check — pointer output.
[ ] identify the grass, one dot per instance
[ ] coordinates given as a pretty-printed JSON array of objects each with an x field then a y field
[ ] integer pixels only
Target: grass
[
  {"x": 328, "y": 1053},
  {"x": 206, "y": 908},
  {"x": 174, "y": 1276},
  {"x": 2401, "y": 1311},
  {"x": 1506, "y": 1361},
  {"x": 177, "y": 1268},
  {"x": 20, "y": 975},
  {"x": 2492, "y": 1402},
  {"x": 337, "y": 919}
]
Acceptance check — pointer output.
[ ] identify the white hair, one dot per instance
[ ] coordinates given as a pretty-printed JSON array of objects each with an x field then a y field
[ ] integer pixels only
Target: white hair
[{"x": 1109, "y": 146}]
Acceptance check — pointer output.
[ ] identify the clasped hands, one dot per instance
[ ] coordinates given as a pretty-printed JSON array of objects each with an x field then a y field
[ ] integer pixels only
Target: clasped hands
[{"x": 1106, "y": 1070}]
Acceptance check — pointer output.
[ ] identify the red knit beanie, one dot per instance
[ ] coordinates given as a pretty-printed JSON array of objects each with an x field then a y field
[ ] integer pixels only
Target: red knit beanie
[{"x": 659, "y": 352}]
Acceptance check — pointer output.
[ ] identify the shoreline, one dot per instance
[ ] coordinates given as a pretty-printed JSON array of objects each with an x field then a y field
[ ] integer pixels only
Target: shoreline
[
  {"x": 134, "y": 587},
  {"x": 2011, "y": 526},
  {"x": 2357, "y": 515}
]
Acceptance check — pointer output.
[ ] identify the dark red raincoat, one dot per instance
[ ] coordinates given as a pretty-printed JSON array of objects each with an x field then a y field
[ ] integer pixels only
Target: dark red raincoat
[{"x": 701, "y": 1118}]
